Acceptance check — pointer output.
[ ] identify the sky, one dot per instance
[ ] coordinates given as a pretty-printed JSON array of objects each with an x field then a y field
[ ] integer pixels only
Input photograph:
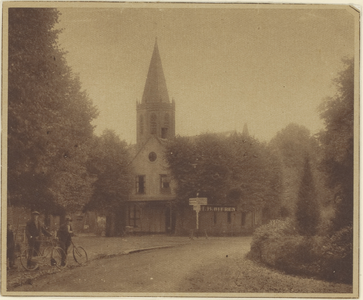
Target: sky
[{"x": 224, "y": 65}]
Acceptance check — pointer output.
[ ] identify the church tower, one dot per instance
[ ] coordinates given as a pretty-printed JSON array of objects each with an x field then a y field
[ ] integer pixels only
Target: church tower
[{"x": 155, "y": 114}]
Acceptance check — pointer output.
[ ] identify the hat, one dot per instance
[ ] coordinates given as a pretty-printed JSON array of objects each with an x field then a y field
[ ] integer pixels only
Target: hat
[{"x": 35, "y": 212}]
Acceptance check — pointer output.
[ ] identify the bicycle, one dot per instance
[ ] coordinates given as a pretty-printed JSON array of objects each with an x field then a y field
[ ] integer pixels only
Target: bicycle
[
  {"x": 30, "y": 258},
  {"x": 79, "y": 254}
]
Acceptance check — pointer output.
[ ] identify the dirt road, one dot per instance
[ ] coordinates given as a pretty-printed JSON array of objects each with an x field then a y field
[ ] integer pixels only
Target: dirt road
[
  {"x": 151, "y": 271},
  {"x": 181, "y": 269}
]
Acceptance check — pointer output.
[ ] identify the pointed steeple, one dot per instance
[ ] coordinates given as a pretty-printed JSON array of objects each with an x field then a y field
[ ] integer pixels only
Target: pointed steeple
[
  {"x": 155, "y": 114},
  {"x": 155, "y": 90}
]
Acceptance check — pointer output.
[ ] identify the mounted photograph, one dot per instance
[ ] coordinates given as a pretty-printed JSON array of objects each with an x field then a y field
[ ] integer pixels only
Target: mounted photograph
[{"x": 180, "y": 149}]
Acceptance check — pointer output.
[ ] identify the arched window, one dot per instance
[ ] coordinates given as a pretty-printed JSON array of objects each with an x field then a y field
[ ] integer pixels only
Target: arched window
[
  {"x": 165, "y": 128},
  {"x": 166, "y": 120},
  {"x": 153, "y": 124},
  {"x": 141, "y": 124}
]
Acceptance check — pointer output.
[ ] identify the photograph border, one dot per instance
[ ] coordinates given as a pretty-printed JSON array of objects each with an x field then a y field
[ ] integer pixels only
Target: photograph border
[{"x": 238, "y": 5}]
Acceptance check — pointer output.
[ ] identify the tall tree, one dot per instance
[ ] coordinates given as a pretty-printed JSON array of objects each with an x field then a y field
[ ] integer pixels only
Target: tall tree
[
  {"x": 110, "y": 164},
  {"x": 338, "y": 140},
  {"x": 49, "y": 117},
  {"x": 307, "y": 211},
  {"x": 291, "y": 145}
]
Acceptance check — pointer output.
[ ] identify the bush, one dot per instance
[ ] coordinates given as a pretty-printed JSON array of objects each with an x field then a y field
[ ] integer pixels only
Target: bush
[
  {"x": 268, "y": 235},
  {"x": 278, "y": 245},
  {"x": 336, "y": 255}
]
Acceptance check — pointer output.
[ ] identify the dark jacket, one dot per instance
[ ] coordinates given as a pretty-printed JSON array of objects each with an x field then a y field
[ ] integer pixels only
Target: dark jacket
[
  {"x": 33, "y": 231},
  {"x": 63, "y": 234}
]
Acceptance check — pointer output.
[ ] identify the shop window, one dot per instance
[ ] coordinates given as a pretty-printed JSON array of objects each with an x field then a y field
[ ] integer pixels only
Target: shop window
[
  {"x": 243, "y": 219},
  {"x": 215, "y": 218},
  {"x": 140, "y": 184},
  {"x": 229, "y": 217},
  {"x": 134, "y": 215}
]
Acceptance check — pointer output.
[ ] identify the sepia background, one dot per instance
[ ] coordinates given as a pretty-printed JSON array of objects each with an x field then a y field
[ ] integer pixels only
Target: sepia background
[
  {"x": 259, "y": 93},
  {"x": 224, "y": 67}
]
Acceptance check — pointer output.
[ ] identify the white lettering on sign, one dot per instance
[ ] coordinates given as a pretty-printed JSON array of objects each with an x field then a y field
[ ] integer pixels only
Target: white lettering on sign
[
  {"x": 198, "y": 201},
  {"x": 217, "y": 208}
]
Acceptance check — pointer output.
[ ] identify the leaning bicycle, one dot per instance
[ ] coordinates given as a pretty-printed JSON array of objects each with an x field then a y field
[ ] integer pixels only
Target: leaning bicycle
[
  {"x": 79, "y": 254},
  {"x": 50, "y": 254}
]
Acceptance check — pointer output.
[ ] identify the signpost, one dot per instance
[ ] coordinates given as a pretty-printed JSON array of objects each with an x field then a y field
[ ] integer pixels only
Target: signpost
[{"x": 197, "y": 202}]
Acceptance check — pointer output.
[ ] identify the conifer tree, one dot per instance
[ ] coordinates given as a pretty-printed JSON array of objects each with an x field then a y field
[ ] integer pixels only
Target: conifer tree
[{"x": 307, "y": 211}]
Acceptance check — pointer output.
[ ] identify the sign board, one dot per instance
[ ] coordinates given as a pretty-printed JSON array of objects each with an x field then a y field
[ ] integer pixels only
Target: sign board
[
  {"x": 198, "y": 201},
  {"x": 218, "y": 208}
]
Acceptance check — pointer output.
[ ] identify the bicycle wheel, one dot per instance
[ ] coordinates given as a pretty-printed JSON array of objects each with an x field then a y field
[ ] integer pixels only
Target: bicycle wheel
[
  {"x": 28, "y": 259},
  {"x": 47, "y": 252},
  {"x": 80, "y": 255},
  {"x": 58, "y": 258}
]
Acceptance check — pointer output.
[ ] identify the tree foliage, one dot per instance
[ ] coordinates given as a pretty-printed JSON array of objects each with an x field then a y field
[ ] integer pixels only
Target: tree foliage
[
  {"x": 291, "y": 145},
  {"x": 49, "y": 116},
  {"x": 337, "y": 141},
  {"x": 109, "y": 163},
  {"x": 234, "y": 169},
  {"x": 307, "y": 214}
]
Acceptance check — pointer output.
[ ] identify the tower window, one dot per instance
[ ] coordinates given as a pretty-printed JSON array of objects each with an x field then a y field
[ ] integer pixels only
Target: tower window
[
  {"x": 164, "y": 133},
  {"x": 166, "y": 120},
  {"x": 164, "y": 129},
  {"x": 141, "y": 124},
  {"x": 140, "y": 184},
  {"x": 153, "y": 124},
  {"x": 165, "y": 184}
]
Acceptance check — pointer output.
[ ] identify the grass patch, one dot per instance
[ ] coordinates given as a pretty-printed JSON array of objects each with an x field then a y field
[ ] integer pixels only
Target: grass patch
[{"x": 241, "y": 275}]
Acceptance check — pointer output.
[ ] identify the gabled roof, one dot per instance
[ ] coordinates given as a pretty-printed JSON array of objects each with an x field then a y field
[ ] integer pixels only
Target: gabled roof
[
  {"x": 135, "y": 154},
  {"x": 155, "y": 90}
]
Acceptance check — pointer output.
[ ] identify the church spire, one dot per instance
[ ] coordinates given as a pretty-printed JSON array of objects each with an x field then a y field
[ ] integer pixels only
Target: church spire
[
  {"x": 155, "y": 90},
  {"x": 155, "y": 114}
]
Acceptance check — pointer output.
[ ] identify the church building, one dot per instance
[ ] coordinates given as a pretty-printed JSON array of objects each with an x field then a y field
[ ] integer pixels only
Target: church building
[{"x": 149, "y": 207}]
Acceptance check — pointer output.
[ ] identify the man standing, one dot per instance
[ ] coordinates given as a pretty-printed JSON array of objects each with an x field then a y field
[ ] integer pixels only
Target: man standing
[
  {"x": 65, "y": 236},
  {"x": 33, "y": 231}
]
